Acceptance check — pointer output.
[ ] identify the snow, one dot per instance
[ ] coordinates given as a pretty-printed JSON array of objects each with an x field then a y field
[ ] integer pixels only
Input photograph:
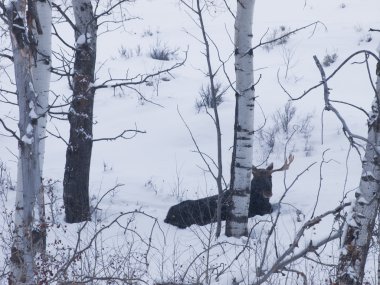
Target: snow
[
  {"x": 158, "y": 169},
  {"x": 26, "y": 139},
  {"x": 83, "y": 38}
]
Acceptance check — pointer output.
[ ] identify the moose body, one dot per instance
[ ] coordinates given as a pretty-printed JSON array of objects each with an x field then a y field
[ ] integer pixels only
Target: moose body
[{"x": 203, "y": 211}]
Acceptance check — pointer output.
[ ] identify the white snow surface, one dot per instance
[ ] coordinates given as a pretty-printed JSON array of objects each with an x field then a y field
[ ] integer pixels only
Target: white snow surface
[{"x": 160, "y": 168}]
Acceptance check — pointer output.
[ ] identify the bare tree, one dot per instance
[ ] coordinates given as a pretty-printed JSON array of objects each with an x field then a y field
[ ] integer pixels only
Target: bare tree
[
  {"x": 242, "y": 155},
  {"x": 21, "y": 15},
  {"x": 214, "y": 92},
  {"x": 361, "y": 220},
  {"x": 78, "y": 154},
  {"x": 79, "y": 149}
]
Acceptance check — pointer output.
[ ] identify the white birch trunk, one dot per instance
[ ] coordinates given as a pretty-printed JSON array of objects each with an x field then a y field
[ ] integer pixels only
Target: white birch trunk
[
  {"x": 41, "y": 79},
  {"x": 41, "y": 72},
  {"x": 241, "y": 168},
  {"x": 361, "y": 220},
  {"x": 28, "y": 184}
]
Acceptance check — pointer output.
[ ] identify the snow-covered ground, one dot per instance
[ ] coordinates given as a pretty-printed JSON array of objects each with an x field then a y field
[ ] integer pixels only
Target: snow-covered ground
[{"x": 161, "y": 167}]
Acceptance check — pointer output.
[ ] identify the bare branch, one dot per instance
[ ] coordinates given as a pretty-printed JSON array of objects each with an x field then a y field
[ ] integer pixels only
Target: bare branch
[
  {"x": 289, "y": 256},
  {"x": 196, "y": 145},
  {"x": 285, "y": 35},
  {"x": 366, "y": 53},
  {"x": 64, "y": 15},
  {"x": 328, "y": 107},
  {"x": 122, "y": 135},
  {"x": 13, "y": 133}
]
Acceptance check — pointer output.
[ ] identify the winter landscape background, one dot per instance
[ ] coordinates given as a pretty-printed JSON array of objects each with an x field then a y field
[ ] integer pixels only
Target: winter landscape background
[{"x": 154, "y": 170}]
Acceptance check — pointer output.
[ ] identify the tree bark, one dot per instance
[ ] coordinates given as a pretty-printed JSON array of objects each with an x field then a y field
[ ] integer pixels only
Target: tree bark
[
  {"x": 241, "y": 165},
  {"x": 361, "y": 220},
  {"x": 29, "y": 180},
  {"x": 78, "y": 154},
  {"x": 41, "y": 79}
]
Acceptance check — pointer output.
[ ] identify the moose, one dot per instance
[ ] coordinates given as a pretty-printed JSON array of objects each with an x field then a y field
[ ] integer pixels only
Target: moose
[{"x": 203, "y": 211}]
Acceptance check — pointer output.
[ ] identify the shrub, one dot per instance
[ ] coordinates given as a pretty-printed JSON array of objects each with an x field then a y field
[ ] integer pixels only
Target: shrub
[
  {"x": 287, "y": 128},
  {"x": 277, "y": 37},
  {"x": 125, "y": 52},
  {"x": 329, "y": 59},
  {"x": 283, "y": 118},
  {"x": 207, "y": 100},
  {"x": 162, "y": 52}
]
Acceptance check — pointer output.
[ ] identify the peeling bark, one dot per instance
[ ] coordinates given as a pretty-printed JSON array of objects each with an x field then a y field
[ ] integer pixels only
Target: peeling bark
[{"x": 28, "y": 176}]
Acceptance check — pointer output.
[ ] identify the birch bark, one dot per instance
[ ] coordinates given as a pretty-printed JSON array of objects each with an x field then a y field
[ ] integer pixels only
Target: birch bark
[
  {"x": 41, "y": 78},
  {"x": 241, "y": 166},
  {"x": 28, "y": 183},
  {"x": 361, "y": 220}
]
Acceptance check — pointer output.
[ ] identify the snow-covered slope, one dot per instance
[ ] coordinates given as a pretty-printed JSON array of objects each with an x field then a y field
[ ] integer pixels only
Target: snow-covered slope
[{"x": 161, "y": 167}]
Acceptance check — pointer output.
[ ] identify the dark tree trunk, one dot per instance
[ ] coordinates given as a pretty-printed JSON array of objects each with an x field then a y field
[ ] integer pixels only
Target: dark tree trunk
[{"x": 78, "y": 154}]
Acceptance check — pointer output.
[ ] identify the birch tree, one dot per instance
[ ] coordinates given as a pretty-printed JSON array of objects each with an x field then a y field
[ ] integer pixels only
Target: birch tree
[
  {"x": 20, "y": 14},
  {"x": 242, "y": 155},
  {"x": 362, "y": 218},
  {"x": 41, "y": 79},
  {"x": 78, "y": 154}
]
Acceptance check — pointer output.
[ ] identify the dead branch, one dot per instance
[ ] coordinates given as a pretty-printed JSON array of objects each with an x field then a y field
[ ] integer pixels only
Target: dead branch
[
  {"x": 122, "y": 135},
  {"x": 328, "y": 107},
  {"x": 289, "y": 255},
  {"x": 366, "y": 53},
  {"x": 261, "y": 43},
  {"x": 13, "y": 133}
]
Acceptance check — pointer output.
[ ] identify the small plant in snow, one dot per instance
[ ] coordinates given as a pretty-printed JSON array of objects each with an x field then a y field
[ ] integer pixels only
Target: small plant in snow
[
  {"x": 329, "y": 59},
  {"x": 366, "y": 38},
  {"x": 151, "y": 185},
  {"x": 162, "y": 52},
  {"x": 277, "y": 37},
  {"x": 138, "y": 50},
  {"x": 283, "y": 117},
  {"x": 125, "y": 52},
  {"x": 177, "y": 190},
  {"x": 286, "y": 128},
  {"x": 207, "y": 100},
  {"x": 147, "y": 33},
  {"x": 106, "y": 167}
]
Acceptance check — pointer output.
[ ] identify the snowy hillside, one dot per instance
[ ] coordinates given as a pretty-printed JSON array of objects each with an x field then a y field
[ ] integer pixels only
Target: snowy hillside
[{"x": 154, "y": 170}]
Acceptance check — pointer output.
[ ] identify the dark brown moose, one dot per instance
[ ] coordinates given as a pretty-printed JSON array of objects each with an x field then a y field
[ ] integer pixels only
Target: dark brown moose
[{"x": 203, "y": 211}]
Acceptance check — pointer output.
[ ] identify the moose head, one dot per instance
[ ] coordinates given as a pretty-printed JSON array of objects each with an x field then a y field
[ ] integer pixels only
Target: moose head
[{"x": 262, "y": 178}]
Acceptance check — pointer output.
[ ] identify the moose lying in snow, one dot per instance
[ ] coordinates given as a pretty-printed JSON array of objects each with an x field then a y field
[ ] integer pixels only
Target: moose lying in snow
[{"x": 203, "y": 211}]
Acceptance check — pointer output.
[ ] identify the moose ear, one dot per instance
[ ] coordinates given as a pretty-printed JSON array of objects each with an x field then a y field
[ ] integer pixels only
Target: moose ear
[
  {"x": 254, "y": 169},
  {"x": 270, "y": 166}
]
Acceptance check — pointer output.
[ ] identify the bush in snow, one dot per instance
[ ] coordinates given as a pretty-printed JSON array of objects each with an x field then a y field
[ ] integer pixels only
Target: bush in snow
[
  {"x": 162, "y": 52},
  {"x": 206, "y": 99},
  {"x": 286, "y": 128},
  {"x": 329, "y": 59},
  {"x": 277, "y": 37}
]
